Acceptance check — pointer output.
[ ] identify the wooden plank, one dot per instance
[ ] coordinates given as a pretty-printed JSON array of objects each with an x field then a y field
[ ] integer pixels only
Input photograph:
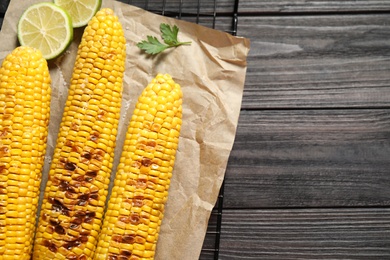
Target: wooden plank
[
  {"x": 209, "y": 244},
  {"x": 306, "y": 234},
  {"x": 312, "y": 6},
  {"x": 317, "y": 61},
  {"x": 310, "y": 158}
]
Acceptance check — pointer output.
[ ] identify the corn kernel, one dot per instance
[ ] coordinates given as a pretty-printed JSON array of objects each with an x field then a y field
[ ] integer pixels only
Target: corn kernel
[
  {"x": 83, "y": 156},
  {"x": 143, "y": 175},
  {"x": 18, "y": 106}
]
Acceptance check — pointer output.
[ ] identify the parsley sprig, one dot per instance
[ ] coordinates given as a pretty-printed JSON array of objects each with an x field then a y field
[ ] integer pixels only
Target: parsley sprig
[{"x": 169, "y": 34}]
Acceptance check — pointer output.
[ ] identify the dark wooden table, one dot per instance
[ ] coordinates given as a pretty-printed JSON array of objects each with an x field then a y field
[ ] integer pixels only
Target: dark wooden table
[{"x": 309, "y": 173}]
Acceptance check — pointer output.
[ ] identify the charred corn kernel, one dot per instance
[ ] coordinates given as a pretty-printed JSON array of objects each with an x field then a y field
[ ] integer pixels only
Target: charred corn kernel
[
  {"x": 142, "y": 180},
  {"x": 77, "y": 187},
  {"x": 24, "y": 76}
]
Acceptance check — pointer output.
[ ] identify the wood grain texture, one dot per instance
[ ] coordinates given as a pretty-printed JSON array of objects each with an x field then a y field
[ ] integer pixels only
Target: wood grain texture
[
  {"x": 306, "y": 234},
  {"x": 312, "y": 6},
  {"x": 209, "y": 243},
  {"x": 317, "y": 61},
  {"x": 310, "y": 158}
]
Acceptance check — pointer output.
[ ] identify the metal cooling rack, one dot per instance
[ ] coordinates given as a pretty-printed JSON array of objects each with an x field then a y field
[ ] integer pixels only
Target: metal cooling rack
[
  {"x": 214, "y": 14},
  {"x": 217, "y": 14}
]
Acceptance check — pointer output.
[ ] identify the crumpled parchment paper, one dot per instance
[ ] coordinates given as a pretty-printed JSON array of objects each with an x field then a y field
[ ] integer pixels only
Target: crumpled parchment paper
[{"x": 211, "y": 72}]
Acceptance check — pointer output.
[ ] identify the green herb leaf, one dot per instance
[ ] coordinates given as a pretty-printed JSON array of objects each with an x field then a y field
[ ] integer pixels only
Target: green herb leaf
[
  {"x": 152, "y": 45},
  {"x": 168, "y": 34}
]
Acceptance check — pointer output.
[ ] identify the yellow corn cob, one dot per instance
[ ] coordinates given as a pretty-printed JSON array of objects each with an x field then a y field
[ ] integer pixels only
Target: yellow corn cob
[
  {"x": 76, "y": 191},
  {"x": 136, "y": 206},
  {"x": 24, "y": 117}
]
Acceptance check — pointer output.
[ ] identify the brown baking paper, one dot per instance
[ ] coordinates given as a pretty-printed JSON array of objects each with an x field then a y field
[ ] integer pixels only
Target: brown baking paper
[{"x": 211, "y": 72}]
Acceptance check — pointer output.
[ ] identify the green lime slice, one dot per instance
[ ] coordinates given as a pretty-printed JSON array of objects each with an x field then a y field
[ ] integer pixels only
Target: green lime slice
[
  {"x": 81, "y": 11},
  {"x": 46, "y": 27}
]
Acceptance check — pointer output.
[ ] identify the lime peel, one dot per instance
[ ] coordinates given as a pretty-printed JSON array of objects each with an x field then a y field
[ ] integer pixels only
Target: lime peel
[
  {"x": 81, "y": 11},
  {"x": 46, "y": 27}
]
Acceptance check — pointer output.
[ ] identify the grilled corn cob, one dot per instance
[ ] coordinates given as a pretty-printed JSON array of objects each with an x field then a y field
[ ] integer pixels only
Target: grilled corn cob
[
  {"x": 136, "y": 206},
  {"x": 76, "y": 190},
  {"x": 24, "y": 117}
]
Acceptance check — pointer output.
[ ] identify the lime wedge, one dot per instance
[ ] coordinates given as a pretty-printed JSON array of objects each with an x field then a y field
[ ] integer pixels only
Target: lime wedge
[
  {"x": 47, "y": 28},
  {"x": 81, "y": 11}
]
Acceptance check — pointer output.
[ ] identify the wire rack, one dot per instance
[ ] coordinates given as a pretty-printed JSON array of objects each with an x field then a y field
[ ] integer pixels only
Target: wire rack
[
  {"x": 220, "y": 15},
  {"x": 217, "y": 14}
]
